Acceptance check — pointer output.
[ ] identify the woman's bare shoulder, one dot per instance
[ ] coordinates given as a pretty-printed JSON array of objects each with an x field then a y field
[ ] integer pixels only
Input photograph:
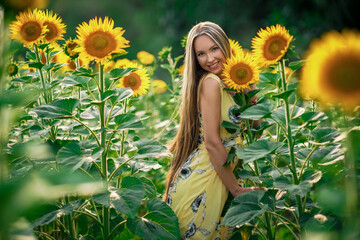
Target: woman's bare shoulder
[
  {"x": 212, "y": 76},
  {"x": 209, "y": 89},
  {"x": 210, "y": 85}
]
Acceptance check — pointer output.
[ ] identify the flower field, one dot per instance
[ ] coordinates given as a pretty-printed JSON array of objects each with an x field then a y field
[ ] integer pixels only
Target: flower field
[{"x": 84, "y": 133}]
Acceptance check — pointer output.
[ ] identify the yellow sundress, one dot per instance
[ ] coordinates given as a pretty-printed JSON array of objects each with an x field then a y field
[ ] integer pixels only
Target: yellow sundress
[{"x": 197, "y": 195}]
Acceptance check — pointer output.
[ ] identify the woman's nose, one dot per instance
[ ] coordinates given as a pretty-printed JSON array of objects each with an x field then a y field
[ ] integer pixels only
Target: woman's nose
[{"x": 210, "y": 57}]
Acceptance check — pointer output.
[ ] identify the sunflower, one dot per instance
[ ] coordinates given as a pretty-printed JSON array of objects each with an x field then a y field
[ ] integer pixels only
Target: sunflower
[
  {"x": 145, "y": 58},
  {"x": 246, "y": 50},
  {"x": 54, "y": 25},
  {"x": 182, "y": 69},
  {"x": 240, "y": 72},
  {"x": 164, "y": 53},
  {"x": 72, "y": 64},
  {"x": 121, "y": 63},
  {"x": 28, "y": 27},
  {"x": 138, "y": 80},
  {"x": 69, "y": 48},
  {"x": 12, "y": 69},
  {"x": 61, "y": 57},
  {"x": 235, "y": 47},
  {"x": 271, "y": 44},
  {"x": 159, "y": 86},
  {"x": 98, "y": 39},
  {"x": 331, "y": 73}
]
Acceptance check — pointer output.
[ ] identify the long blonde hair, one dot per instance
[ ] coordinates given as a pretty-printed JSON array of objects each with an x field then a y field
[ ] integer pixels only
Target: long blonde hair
[{"x": 186, "y": 139}]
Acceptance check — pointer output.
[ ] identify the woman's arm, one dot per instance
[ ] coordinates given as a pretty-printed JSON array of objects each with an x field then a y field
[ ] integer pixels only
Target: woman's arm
[{"x": 210, "y": 107}]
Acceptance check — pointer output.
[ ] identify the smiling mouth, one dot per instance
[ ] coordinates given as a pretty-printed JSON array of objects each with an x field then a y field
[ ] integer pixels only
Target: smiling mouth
[{"x": 214, "y": 65}]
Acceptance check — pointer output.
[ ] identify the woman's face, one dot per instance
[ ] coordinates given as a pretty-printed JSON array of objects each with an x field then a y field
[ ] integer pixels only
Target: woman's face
[{"x": 209, "y": 55}]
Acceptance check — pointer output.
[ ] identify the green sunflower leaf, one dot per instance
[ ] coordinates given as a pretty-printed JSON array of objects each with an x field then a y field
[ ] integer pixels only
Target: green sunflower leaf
[
  {"x": 270, "y": 78},
  {"x": 244, "y": 208},
  {"x": 160, "y": 222},
  {"x": 79, "y": 81},
  {"x": 296, "y": 65},
  {"x": 117, "y": 73},
  {"x": 59, "y": 109},
  {"x": 258, "y": 111},
  {"x": 128, "y": 122},
  {"x": 257, "y": 150}
]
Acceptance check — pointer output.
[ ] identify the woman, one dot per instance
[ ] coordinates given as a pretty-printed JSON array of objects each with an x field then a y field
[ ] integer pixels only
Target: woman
[{"x": 198, "y": 184}]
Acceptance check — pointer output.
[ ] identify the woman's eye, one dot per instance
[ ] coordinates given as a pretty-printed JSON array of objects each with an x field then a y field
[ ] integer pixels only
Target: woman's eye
[
  {"x": 215, "y": 48},
  {"x": 200, "y": 54}
]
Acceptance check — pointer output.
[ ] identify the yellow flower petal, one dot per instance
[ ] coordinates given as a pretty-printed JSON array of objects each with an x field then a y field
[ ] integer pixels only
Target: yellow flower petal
[
  {"x": 235, "y": 47},
  {"x": 271, "y": 44},
  {"x": 55, "y": 27},
  {"x": 159, "y": 86},
  {"x": 98, "y": 39},
  {"x": 28, "y": 27},
  {"x": 331, "y": 74},
  {"x": 145, "y": 57},
  {"x": 138, "y": 80},
  {"x": 240, "y": 72}
]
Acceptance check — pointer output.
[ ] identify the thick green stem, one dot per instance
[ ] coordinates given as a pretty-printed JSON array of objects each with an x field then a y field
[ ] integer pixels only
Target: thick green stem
[
  {"x": 288, "y": 126},
  {"x": 351, "y": 218},
  {"x": 289, "y": 136},
  {"x": 36, "y": 49},
  {"x": 268, "y": 226},
  {"x": 106, "y": 222},
  {"x": 104, "y": 167},
  {"x": 122, "y": 139},
  {"x": 102, "y": 122},
  {"x": 49, "y": 76},
  {"x": 47, "y": 95},
  {"x": 72, "y": 228}
]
